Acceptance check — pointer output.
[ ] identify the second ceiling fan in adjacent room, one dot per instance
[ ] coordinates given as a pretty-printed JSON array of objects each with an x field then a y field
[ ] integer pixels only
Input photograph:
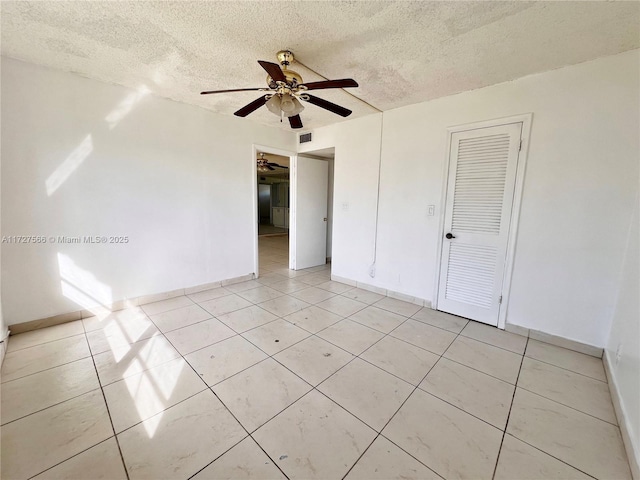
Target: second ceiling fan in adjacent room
[{"x": 286, "y": 90}]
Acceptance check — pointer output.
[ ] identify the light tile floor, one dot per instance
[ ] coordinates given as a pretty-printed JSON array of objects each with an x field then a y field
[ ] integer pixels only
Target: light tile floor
[{"x": 293, "y": 375}]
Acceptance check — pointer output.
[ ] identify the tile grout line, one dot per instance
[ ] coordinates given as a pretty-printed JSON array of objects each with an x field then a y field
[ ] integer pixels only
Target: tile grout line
[
  {"x": 506, "y": 425},
  {"x": 334, "y": 373},
  {"x": 302, "y": 379},
  {"x": 49, "y": 406},
  {"x": 46, "y": 369},
  {"x": 548, "y": 454},
  {"x": 208, "y": 387},
  {"x": 106, "y": 405},
  {"x": 400, "y": 407},
  {"x": 75, "y": 455},
  {"x": 108, "y": 414},
  {"x": 567, "y": 369},
  {"x": 46, "y": 342},
  {"x": 567, "y": 406}
]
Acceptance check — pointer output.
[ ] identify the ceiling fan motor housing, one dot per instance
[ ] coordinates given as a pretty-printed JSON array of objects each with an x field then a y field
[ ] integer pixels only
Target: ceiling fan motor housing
[{"x": 293, "y": 78}]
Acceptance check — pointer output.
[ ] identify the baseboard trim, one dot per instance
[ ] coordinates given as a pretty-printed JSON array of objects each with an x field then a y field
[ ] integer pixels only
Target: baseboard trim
[
  {"x": 121, "y": 305},
  {"x": 383, "y": 291},
  {"x": 4, "y": 342},
  {"x": 555, "y": 340},
  {"x": 346, "y": 281},
  {"x": 633, "y": 451},
  {"x": 567, "y": 343}
]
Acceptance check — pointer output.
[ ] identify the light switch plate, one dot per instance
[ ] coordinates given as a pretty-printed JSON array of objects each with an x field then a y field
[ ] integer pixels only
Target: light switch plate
[{"x": 431, "y": 210}]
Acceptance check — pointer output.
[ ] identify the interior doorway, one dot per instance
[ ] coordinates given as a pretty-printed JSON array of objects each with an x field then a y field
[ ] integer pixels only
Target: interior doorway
[
  {"x": 312, "y": 206},
  {"x": 289, "y": 197},
  {"x": 271, "y": 170},
  {"x": 273, "y": 179}
]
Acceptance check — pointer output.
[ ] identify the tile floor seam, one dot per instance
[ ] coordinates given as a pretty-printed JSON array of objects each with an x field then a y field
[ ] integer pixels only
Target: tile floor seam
[
  {"x": 247, "y": 431},
  {"x": 164, "y": 362},
  {"x": 314, "y": 387},
  {"x": 379, "y": 433},
  {"x": 106, "y": 405},
  {"x": 156, "y": 334},
  {"x": 218, "y": 457},
  {"x": 567, "y": 369},
  {"x": 496, "y": 346},
  {"x": 567, "y": 406},
  {"x": 45, "y": 369},
  {"x": 400, "y": 407},
  {"x": 365, "y": 306},
  {"x": 48, "y": 341},
  {"x": 549, "y": 454},
  {"x": 368, "y": 348},
  {"x": 312, "y": 333},
  {"x": 73, "y": 456},
  {"x": 479, "y": 371},
  {"x": 506, "y": 425},
  {"x": 49, "y": 406},
  {"x": 210, "y": 388},
  {"x": 252, "y": 328},
  {"x": 142, "y": 420},
  {"x": 185, "y": 326},
  {"x": 462, "y": 409},
  {"x": 158, "y": 301}
]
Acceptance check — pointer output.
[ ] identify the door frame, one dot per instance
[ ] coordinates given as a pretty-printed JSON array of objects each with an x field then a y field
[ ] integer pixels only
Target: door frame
[
  {"x": 526, "y": 120},
  {"x": 256, "y": 214}
]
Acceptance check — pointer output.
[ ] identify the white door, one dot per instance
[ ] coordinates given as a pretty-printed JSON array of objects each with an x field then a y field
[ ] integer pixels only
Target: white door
[
  {"x": 481, "y": 183},
  {"x": 310, "y": 210}
]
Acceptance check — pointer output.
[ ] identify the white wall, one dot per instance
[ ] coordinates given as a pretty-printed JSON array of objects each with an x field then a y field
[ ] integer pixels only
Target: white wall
[
  {"x": 80, "y": 157},
  {"x": 330, "y": 208},
  {"x": 580, "y": 186},
  {"x": 3, "y": 325},
  {"x": 625, "y": 336}
]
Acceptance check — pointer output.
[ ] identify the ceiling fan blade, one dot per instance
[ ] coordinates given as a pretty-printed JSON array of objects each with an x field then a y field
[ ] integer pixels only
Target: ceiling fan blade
[
  {"x": 274, "y": 70},
  {"x": 342, "y": 83},
  {"x": 270, "y": 168},
  {"x": 332, "y": 107},
  {"x": 295, "y": 121},
  {"x": 251, "y": 107},
  {"x": 276, "y": 165},
  {"x": 234, "y": 90}
]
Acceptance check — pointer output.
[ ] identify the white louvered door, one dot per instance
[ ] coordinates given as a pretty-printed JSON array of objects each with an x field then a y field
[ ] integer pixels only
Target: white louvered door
[{"x": 481, "y": 182}]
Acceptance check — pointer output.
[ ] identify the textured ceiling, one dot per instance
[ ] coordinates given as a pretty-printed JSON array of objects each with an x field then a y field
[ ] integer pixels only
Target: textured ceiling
[{"x": 401, "y": 52}]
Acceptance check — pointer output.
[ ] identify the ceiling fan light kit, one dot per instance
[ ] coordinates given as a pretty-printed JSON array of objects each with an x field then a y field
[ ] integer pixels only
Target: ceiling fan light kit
[
  {"x": 264, "y": 165},
  {"x": 286, "y": 89},
  {"x": 286, "y": 105}
]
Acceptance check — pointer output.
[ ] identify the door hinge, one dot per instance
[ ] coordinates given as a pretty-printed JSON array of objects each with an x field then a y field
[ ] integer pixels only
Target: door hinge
[
  {"x": 500, "y": 299},
  {"x": 520, "y": 147}
]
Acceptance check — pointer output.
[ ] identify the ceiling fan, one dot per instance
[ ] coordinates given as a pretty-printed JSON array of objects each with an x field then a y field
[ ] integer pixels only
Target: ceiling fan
[
  {"x": 265, "y": 165},
  {"x": 286, "y": 89}
]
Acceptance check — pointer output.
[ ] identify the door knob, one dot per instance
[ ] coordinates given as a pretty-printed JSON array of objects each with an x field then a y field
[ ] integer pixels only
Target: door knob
[
  {"x": 450, "y": 236},
  {"x": 324, "y": 219}
]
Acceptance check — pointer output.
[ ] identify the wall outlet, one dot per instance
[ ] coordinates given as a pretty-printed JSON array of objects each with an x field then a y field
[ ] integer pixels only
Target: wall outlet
[
  {"x": 372, "y": 270},
  {"x": 345, "y": 206},
  {"x": 618, "y": 353},
  {"x": 431, "y": 209}
]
